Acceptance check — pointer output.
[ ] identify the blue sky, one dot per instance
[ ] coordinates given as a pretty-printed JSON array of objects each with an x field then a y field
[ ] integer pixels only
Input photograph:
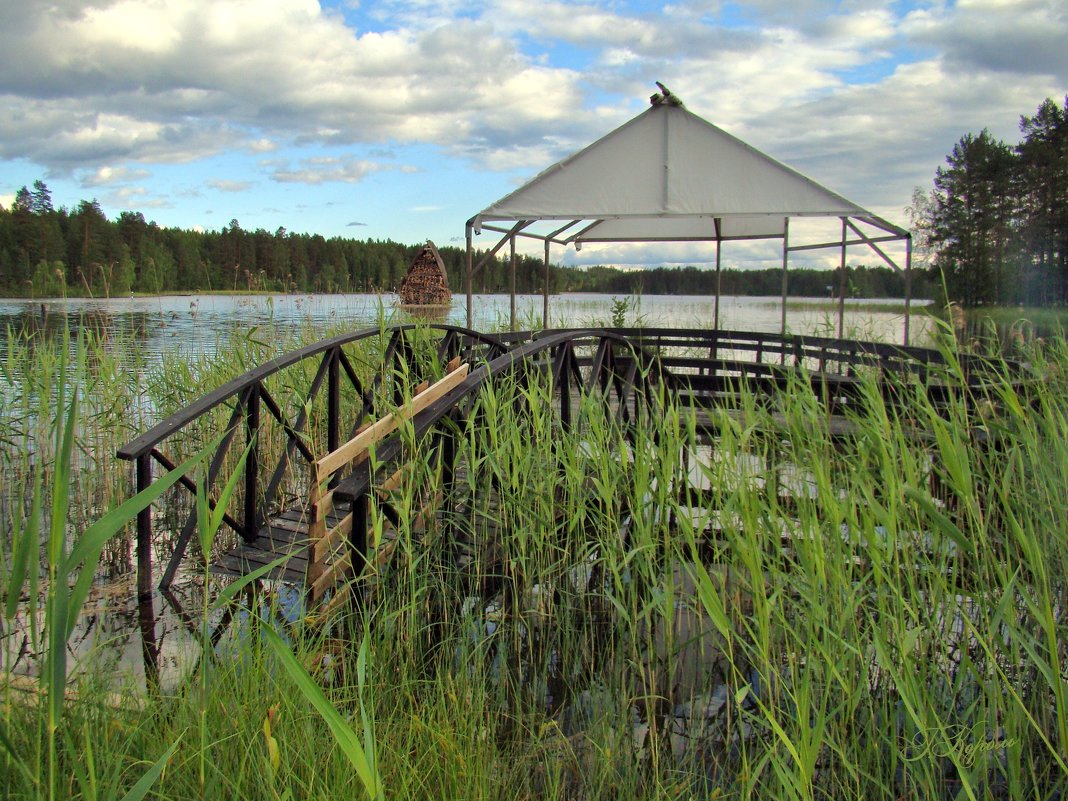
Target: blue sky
[{"x": 403, "y": 119}]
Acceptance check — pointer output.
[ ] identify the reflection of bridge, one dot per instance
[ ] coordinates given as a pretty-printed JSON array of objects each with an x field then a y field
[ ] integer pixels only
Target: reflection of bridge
[{"x": 332, "y": 428}]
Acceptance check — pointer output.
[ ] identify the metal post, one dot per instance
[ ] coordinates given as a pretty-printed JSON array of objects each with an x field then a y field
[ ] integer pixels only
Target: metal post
[
  {"x": 715, "y": 313},
  {"x": 908, "y": 286},
  {"x": 467, "y": 279},
  {"x": 511, "y": 306},
  {"x": 250, "y": 525},
  {"x": 842, "y": 285},
  {"x": 545, "y": 291},
  {"x": 785, "y": 256}
]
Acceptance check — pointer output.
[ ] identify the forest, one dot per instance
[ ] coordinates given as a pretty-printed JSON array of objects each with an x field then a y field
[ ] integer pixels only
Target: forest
[
  {"x": 995, "y": 223},
  {"x": 49, "y": 252}
]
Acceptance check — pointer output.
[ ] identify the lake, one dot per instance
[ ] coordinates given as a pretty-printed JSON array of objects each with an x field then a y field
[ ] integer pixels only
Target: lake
[{"x": 198, "y": 322}]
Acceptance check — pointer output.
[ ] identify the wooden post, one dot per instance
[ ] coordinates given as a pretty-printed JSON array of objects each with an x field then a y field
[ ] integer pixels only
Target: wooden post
[
  {"x": 333, "y": 402},
  {"x": 144, "y": 531},
  {"x": 250, "y": 525},
  {"x": 358, "y": 546},
  {"x": 146, "y": 620}
]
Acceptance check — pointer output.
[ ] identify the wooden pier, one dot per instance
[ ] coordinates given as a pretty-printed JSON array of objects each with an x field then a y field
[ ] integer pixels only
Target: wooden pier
[{"x": 354, "y": 407}]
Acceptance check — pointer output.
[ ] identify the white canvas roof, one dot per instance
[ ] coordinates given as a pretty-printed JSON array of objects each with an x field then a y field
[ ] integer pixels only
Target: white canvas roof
[{"x": 667, "y": 175}]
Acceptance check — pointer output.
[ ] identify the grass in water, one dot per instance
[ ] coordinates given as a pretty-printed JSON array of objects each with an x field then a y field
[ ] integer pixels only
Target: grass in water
[{"x": 722, "y": 602}]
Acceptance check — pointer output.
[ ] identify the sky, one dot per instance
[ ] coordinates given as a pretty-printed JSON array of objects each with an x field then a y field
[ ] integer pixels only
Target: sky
[{"x": 401, "y": 120}]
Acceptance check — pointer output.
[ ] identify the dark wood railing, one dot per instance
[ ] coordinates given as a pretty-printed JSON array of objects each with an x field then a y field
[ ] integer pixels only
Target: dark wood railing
[{"x": 622, "y": 366}]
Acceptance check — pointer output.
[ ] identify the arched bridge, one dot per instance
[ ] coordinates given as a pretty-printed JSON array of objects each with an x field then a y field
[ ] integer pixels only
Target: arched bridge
[{"x": 309, "y": 441}]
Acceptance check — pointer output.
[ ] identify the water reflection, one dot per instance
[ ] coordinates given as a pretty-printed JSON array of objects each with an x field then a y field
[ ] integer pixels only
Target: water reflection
[{"x": 198, "y": 323}]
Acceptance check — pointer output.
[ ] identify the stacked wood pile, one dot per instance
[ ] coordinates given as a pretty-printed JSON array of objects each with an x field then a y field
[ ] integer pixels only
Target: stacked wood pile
[{"x": 426, "y": 283}]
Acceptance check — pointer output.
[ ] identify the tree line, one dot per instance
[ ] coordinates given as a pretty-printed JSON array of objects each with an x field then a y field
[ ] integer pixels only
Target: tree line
[
  {"x": 861, "y": 282},
  {"x": 45, "y": 251},
  {"x": 49, "y": 252},
  {"x": 995, "y": 223}
]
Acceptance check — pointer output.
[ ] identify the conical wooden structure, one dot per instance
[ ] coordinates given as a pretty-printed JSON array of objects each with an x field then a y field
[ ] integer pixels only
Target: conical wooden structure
[{"x": 426, "y": 283}]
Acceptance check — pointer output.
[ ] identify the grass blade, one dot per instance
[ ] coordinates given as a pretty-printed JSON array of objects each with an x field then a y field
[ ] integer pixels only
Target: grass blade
[{"x": 344, "y": 736}]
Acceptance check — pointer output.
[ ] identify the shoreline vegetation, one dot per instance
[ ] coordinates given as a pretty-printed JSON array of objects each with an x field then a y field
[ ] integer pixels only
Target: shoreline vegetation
[
  {"x": 877, "y": 618},
  {"x": 55, "y": 252}
]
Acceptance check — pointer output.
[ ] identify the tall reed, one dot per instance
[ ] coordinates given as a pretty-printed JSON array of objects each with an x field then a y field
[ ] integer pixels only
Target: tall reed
[{"x": 725, "y": 601}]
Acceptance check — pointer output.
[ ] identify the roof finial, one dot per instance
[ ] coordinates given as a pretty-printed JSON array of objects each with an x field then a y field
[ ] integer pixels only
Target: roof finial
[{"x": 664, "y": 97}]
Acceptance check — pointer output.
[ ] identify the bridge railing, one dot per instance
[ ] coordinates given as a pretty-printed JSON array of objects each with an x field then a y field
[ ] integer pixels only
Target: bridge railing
[
  {"x": 339, "y": 392},
  {"x": 302, "y": 397}
]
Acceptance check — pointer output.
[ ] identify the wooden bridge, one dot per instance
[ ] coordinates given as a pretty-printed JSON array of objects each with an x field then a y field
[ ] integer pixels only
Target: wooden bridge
[{"x": 331, "y": 428}]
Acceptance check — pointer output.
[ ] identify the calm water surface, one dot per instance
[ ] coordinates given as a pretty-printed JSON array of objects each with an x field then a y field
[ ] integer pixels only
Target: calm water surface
[{"x": 199, "y": 322}]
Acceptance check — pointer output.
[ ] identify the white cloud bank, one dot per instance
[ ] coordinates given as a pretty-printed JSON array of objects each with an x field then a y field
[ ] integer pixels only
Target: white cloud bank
[{"x": 862, "y": 96}]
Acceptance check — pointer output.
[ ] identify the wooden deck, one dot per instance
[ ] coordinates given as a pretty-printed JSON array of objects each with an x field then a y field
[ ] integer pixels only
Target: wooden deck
[
  {"x": 285, "y": 534},
  {"x": 323, "y": 538}
]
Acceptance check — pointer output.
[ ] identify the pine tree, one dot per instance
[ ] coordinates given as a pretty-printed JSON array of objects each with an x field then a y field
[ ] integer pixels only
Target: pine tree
[
  {"x": 972, "y": 228},
  {"x": 1044, "y": 172}
]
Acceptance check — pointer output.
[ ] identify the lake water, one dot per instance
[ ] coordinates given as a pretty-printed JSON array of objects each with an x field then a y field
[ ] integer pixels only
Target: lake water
[{"x": 198, "y": 322}]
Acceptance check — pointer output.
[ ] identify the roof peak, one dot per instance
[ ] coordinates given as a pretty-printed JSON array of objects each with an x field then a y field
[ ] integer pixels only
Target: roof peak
[{"x": 665, "y": 97}]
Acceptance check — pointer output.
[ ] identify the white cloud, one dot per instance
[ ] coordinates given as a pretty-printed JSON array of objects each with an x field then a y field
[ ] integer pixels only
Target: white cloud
[
  {"x": 180, "y": 80},
  {"x": 134, "y": 197},
  {"x": 94, "y": 87},
  {"x": 321, "y": 170},
  {"x": 106, "y": 176},
  {"x": 230, "y": 186},
  {"x": 1021, "y": 37}
]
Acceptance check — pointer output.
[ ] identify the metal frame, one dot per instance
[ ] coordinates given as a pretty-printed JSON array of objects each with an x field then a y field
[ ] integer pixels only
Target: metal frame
[{"x": 891, "y": 233}]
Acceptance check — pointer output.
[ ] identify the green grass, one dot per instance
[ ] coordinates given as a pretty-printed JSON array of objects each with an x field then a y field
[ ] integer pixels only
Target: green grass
[{"x": 880, "y": 618}]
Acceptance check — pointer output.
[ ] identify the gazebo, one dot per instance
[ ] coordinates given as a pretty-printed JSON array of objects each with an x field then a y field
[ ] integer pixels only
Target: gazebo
[{"x": 669, "y": 176}]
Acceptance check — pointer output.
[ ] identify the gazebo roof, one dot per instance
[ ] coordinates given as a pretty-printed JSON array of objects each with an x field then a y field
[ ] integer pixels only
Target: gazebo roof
[{"x": 668, "y": 175}]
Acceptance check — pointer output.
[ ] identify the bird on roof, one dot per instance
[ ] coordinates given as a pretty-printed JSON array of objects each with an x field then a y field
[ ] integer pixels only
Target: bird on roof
[{"x": 664, "y": 96}]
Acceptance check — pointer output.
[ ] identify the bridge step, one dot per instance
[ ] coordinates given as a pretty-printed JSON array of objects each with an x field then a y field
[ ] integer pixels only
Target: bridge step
[{"x": 285, "y": 534}]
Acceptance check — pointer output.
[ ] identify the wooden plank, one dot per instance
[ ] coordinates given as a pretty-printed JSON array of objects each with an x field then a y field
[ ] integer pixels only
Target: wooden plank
[
  {"x": 281, "y": 524},
  {"x": 236, "y": 568},
  {"x": 339, "y": 597},
  {"x": 395, "y": 480},
  {"x": 324, "y": 545},
  {"x": 321, "y": 508},
  {"x": 325, "y": 537},
  {"x": 326, "y": 466},
  {"x": 340, "y": 568},
  {"x": 294, "y": 513},
  {"x": 272, "y": 536},
  {"x": 260, "y": 557}
]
